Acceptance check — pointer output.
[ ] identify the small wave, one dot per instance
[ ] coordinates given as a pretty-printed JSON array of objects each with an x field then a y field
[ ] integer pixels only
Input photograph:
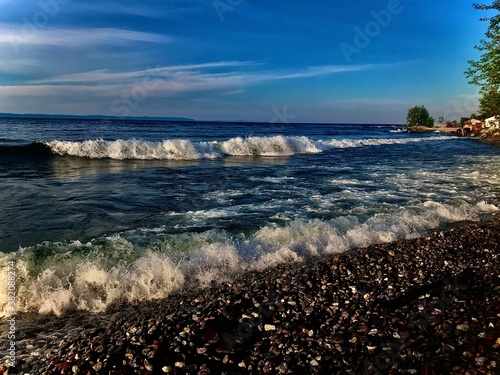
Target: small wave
[
  {"x": 183, "y": 149},
  {"x": 150, "y": 264},
  {"x": 351, "y": 143},
  {"x": 269, "y": 146},
  {"x": 273, "y": 180},
  {"x": 178, "y": 149}
]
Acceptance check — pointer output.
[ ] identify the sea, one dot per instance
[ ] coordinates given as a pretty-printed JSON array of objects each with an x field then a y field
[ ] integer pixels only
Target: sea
[{"x": 99, "y": 212}]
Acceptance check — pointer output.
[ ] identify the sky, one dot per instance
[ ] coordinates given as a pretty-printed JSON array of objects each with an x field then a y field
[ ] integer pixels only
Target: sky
[{"x": 239, "y": 60}]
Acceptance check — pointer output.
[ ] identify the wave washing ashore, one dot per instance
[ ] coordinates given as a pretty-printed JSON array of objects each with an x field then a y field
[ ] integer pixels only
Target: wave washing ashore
[
  {"x": 96, "y": 214},
  {"x": 424, "y": 306}
]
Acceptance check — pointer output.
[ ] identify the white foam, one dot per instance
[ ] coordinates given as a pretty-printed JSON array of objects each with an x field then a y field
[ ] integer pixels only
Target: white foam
[
  {"x": 343, "y": 181},
  {"x": 143, "y": 265},
  {"x": 182, "y": 149},
  {"x": 486, "y": 207},
  {"x": 273, "y": 259},
  {"x": 177, "y": 149},
  {"x": 269, "y": 146},
  {"x": 306, "y": 238},
  {"x": 213, "y": 262},
  {"x": 353, "y": 143},
  {"x": 90, "y": 286},
  {"x": 274, "y": 180}
]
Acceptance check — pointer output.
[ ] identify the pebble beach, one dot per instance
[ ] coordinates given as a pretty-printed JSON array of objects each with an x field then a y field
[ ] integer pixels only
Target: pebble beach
[{"x": 424, "y": 306}]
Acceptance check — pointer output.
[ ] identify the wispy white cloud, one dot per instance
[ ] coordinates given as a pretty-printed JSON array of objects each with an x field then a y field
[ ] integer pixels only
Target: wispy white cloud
[
  {"x": 316, "y": 71},
  {"x": 228, "y": 73},
  {"x": 106, "y": 76},
  {"x": 224, "y": 77},
  {"x": 16, "y": 35},
  {"x": 168, "y": 9},
  {"x": 17, "y": 66},
  {"x": 178, "y": 87}
]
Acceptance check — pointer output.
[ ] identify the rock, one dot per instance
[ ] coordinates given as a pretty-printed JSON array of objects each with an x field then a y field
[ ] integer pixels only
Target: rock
[
  {"x": 269, "y": 327},
  {"x": 97, "y": 366},
  {"x": 480, "y": 361}
]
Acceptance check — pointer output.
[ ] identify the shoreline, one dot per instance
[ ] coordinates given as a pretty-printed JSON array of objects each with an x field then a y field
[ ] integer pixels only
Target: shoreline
[
  {"x": 492, "y": 137},
  {"x": 429, "y": 305},
  {"x": 487, "y": 136}
]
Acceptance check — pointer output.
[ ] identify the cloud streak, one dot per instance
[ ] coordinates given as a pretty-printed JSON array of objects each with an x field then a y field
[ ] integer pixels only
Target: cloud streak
[
  {"x": 184, "y": 84},
  {"x": 212, "y": 76},
  {"x": 170, "y": 8},
  {"x": 76, "y": 38}
]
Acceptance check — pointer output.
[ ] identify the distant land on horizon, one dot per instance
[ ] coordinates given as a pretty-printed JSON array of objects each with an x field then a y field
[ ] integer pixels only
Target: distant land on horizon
[
  {"x": 154, "y": 118},
  {"x": 91, "y": 117}
]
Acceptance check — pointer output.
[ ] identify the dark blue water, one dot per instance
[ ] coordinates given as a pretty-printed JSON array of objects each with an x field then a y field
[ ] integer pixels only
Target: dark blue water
[{"x": 96, "y": 211}]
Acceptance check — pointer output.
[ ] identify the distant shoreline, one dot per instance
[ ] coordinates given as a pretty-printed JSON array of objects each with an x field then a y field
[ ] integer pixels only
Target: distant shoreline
[
  {"x": 33, "y": 116},
  {"x": 91, "y": 117}
]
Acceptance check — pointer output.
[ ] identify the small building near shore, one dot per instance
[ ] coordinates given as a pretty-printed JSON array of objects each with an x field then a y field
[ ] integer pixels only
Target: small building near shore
[
  {"x": 492, "y": 122},
  {"x": 472, "y": 126}
]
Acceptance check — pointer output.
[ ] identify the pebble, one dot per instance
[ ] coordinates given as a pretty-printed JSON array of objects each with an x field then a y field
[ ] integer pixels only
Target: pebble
[
  {"x": 269, "y": 327},
  {"x": 480, "y": 361}
]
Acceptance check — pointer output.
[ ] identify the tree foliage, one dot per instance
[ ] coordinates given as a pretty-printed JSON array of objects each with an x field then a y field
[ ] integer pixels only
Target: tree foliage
[
  {"x": 419, "y": 116},
  {"x": 489, "y": 105},
  {"x": 486, "y": 71}
]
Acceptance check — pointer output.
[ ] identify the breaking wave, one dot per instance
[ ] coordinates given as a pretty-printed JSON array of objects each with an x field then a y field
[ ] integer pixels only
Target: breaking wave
[
  {"x": 350, "y": 143},
  {"x": 182, "y": 149},
  {"x": 177, "y": 149},
  {"x": 148, "y": 264}
]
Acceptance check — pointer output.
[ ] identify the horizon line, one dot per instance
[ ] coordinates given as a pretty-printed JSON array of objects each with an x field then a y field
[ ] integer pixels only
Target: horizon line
[{"x": 168, "y": 118}]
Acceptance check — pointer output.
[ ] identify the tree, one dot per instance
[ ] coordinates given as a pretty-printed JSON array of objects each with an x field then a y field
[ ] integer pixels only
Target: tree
[
  {"x": 419, "y": 116},
  {"x": 489, "y": 105},
  {"x": 486, "y": 71}
]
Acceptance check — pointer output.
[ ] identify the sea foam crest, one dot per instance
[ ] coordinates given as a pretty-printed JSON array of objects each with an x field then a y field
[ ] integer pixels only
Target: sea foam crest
[
  {"x": 183, "y": 149},
  {"x": 176, "y": 149},
  {"x": 56, "y": 277},
  {"x": 89, "y": 285},
  {"x": 269, "y": 146},
  {"x": 351, "y": 143}
]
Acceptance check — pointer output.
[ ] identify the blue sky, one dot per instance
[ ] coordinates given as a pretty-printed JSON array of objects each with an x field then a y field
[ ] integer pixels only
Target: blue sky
[{"x": 255, "y": 60}]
